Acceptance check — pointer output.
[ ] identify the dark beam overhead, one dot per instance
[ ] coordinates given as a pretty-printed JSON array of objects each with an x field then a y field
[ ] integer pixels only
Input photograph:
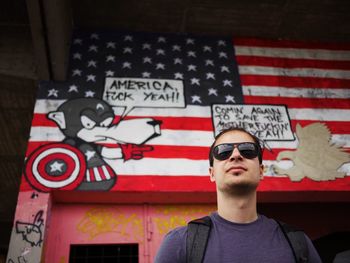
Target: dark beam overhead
[{"x": 51, "y": 26}]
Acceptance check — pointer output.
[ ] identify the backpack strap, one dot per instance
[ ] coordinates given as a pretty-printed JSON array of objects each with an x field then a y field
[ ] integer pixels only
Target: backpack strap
[
  {"x": 297, "y": 241},
  {"x": 198, "y": 231}
]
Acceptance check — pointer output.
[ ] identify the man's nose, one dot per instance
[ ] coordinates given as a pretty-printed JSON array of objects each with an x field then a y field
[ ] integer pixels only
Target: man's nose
[{"x": 236, "y": 155}]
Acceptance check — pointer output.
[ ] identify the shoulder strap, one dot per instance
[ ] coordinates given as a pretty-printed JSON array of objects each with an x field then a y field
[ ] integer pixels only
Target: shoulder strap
[
  {"x": 297, "y": 241},
  {"x": 198, "y": 231}
]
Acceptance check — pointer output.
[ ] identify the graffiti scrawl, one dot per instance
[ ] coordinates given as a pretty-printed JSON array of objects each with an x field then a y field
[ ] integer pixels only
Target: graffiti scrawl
[
  {"x": 34, "y": 195},
  {"x": 32, "y": 232},
  {"x": 19, "y": 260},
  {"x": 79, "y": 161}
]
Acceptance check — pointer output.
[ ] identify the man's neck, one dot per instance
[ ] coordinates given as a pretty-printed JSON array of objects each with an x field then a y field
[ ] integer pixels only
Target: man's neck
[{"x": 237, "y": 209}]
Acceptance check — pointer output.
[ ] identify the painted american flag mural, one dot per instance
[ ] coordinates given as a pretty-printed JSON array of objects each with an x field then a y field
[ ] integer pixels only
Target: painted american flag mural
[{"x": 139, "y": 112}]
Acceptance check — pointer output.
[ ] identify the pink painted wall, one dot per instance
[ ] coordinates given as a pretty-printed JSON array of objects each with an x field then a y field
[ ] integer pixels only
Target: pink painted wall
[{"x": 115, "y": 224}]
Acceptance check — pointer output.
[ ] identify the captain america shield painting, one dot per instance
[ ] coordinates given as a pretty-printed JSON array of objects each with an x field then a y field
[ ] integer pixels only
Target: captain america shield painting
[{"x": 55, "y": 166}]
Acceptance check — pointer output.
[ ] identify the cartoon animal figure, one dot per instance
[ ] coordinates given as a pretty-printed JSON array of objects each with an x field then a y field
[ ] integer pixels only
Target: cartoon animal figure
[
  {"x": 91, "y": 137},
  {"x": 315, "y": 157},
  {"x": 31, "y": 232}
]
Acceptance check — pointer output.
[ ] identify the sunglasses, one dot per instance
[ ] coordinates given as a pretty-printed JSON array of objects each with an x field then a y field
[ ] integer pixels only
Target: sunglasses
[{"x": 247, "y": 150}]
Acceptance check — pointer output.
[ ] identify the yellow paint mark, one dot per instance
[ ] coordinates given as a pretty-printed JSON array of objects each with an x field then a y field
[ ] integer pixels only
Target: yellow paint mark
[
  {"x": 98, "y": 221},
  {"x": 62, "y": 259},
  {"x": 175, "y": 216}
]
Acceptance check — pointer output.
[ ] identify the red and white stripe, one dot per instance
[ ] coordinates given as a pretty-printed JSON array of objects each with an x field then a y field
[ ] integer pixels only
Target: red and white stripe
[
  {"x": 99, "y": 173},
  {"x": 312, "y": 80}
]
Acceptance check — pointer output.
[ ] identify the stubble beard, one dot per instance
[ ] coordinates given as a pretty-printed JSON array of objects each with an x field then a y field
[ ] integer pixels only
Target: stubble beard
[{"x": 244, "y": 188}]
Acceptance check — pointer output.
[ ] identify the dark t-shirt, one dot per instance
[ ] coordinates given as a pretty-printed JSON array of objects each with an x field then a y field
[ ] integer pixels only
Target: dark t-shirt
[{"x": 259, "y": 241}]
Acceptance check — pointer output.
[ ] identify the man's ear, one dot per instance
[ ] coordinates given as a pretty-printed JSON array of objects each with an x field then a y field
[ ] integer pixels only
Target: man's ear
[
  {"x": 211, "y": 174},
  {"x": 261, "y": 171}
]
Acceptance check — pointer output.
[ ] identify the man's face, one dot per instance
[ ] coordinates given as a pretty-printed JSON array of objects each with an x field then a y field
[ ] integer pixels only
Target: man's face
[{"x": 236, "y": 174}]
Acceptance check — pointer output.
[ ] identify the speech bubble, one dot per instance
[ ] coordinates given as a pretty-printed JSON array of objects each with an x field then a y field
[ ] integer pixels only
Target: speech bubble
[
  {"x": 144, "y": 92},
  {"x": 267, "y": 122}
]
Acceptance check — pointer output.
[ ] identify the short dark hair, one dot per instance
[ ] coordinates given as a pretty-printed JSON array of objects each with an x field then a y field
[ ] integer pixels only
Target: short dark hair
[{"x": 256, "y": 140}]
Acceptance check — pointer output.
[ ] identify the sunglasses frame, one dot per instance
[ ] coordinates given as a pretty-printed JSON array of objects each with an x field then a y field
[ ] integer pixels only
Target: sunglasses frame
[{"x": 236, "y": 145}]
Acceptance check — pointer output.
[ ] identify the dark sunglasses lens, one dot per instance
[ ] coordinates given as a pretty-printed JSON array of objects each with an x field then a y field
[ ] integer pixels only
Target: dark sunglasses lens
[
  {"x": 223, "y": 151},
  {"x": 248, "y": 150}
]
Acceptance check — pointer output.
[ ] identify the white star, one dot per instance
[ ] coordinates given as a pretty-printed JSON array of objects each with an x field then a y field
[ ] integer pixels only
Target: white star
[
  {"x": 147, "y": 60},
  {"x": 227, "y": 82},
  {"x": 160, "y": 52},
  {"x": 161, "y": 39},
  {"x": 111, "y": 45},
  {"x": 92, "y": 63},
  {"x": 210, "y": 75},
  {"x": 189, "y": 41},
  {"x": 196, "y": 98},
  {"x": 207, "y": 48},
  {"x": 127, "y": 50},
  {"x": 192, "y": 67},
  {"x": 222, "y": 55},
  {"x": 73, "y": 88},
  {"x": 91, "y": 78},
  {"x": 209, "y": 62},
  {"x": 110, "y": 58},
  {"x": 76, "y": 56},
  {"x": 127, "y": 64},
  {"x": 213, "y": 92},
  {"x": 195, "y": 81},
  {"x": 94, "y": 36},
  {"x": 178, "y": 75},
  {"x": 89, "y": 154},
  {"x": 93, "y": 48},
  {"x": 160, "y": 66},
  {"x": 89, "y": 93},
  {"x": 53, "y": 92},
  {"x": 109, "y": 73},
  {"x": 146, "y": 74},
  {"x": 176, "y": 48},
  {"x": 221, "y": 43},
  {"x": 191, "y": 54},
  {"x": 146, "y": 46},
  {"x": 56, "y": 166},
  {"x": 128, "y": 38},
  {"x": 78, "y": 41},
  {"x": 177, "y": 61},
  {"x": 230, "y": 98},
  {"x": 76, "y": 72},
  {"x": 224, "y": 68}
]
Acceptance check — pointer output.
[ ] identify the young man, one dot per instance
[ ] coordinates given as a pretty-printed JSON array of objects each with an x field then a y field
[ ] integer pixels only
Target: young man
[{"x": 238, "y": 233}]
